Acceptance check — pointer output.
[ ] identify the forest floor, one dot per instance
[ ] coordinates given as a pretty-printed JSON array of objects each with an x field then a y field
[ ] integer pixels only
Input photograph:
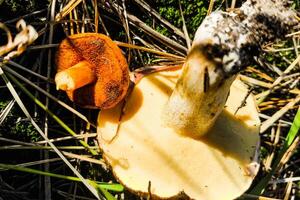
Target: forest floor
[{"x": 37, "y": 122}]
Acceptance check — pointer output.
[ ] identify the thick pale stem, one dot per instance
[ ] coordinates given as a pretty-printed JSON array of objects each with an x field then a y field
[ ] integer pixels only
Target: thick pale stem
[
  {"x": 224, "y": 44},
  {"x": 198, "y": 98},
  {"x": 75, "y": 77}
]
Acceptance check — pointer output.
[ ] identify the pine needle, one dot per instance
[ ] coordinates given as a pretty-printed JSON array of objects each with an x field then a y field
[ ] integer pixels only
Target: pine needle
[
  {"x": 22, "y": 106},
  {"x": 292, "y": 134}
]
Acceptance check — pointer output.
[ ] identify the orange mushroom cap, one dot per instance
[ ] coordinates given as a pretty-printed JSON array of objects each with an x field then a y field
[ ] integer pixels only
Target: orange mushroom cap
[{"x": 105, "y": 60}]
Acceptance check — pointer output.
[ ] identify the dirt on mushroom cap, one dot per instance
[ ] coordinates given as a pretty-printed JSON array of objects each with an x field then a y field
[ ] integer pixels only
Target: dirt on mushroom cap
[{"x": 107, "y": 62}]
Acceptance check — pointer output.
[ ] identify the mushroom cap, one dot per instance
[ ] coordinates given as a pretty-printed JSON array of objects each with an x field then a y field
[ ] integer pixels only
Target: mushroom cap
[
  {"x": 145, "y": 155},
  {"x": 107, "y": 62}
]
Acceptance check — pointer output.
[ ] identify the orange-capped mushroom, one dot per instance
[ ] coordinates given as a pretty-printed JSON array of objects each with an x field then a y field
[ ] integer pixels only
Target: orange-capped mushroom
[{"x": 92, "y": 70}]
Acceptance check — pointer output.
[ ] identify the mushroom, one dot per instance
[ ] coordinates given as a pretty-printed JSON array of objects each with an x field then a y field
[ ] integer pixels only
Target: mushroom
[
  {"x": 182, "y": 134},
  {"x": 146, "y": 156},
  {"x": 92, "y": 70}
]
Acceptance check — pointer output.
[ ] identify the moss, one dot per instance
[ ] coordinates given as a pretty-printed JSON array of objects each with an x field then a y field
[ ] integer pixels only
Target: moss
[
  {"x": 17, "y": 127},
  {"x": 296, "y": 4},
  {"x": 194, "y": 12},
  {"x": 15, "y": 8}
]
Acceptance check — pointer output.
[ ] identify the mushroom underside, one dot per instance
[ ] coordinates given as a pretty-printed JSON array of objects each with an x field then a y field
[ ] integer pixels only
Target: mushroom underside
[{"x": 147, "y": 156}]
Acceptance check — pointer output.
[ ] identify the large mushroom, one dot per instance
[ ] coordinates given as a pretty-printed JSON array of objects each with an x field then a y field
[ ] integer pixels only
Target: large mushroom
[
  {"x": 92, "y": 70},
  {"x": 149, "y": 157},
  {"x": 173, "y": 137}
]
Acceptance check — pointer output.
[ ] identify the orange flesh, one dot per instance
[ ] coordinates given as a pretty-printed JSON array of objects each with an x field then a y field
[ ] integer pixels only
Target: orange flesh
[{"x": 106, "y": 62}]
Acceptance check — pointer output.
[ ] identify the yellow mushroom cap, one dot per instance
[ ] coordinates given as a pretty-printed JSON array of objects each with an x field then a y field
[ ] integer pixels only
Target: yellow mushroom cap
[{"x": 145, "y": 155}]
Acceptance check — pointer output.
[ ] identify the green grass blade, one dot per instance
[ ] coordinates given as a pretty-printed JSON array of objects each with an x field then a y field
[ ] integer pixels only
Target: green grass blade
[
  {"x": 38, "y": 147},
  {"x": 15, "y": 74},
  {"x": 107, "y": 195},
  {"x": 293, "y": 132},
  {"x": 27, "y": 114},
  {"x": 56, "y": 118},
  {"x": 112, "y": 187},
  {"x": 98, "y": 185}
]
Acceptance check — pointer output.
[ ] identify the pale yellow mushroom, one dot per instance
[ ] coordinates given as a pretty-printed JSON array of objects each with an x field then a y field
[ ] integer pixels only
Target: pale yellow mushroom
[
  {"x": 143, "y": 152},
  {"x": 194, "y": 133}
]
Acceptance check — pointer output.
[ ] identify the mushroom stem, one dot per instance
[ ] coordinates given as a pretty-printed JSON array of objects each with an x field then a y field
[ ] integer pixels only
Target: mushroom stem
[
  {"x": 198, "y": 98},
  {"x": 224, "y": 44},
  {"x": 75, "y": 77}
]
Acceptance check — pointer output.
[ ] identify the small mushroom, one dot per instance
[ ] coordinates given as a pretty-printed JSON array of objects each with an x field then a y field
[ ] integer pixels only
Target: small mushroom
[
  {"x": 92, "y": 70},
  {"x": 194, "y": 133}
]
